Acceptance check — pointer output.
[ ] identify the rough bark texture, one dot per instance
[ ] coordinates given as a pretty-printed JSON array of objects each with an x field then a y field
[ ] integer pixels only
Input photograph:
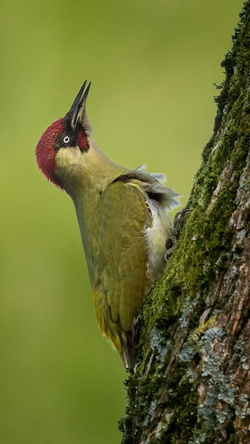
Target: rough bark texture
[{"x": 192, "y": 379}]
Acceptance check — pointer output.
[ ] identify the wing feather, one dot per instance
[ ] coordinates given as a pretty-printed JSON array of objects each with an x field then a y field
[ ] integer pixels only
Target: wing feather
[{"x": 122, "y": 251}]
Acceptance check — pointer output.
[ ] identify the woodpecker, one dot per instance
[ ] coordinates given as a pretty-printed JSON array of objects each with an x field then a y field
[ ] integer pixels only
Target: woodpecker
[{"x": 122, "y": 216}]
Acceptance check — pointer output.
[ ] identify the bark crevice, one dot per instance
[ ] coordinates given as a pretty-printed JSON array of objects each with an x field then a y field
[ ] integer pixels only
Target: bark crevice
[{"x": 192, "y": 381}]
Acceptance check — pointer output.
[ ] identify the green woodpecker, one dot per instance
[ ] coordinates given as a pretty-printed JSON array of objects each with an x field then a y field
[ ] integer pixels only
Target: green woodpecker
[{"x": 122, "y": 218}]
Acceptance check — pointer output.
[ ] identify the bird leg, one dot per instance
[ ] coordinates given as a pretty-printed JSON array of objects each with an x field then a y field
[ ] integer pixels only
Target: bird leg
[{"x": 175, "y": 232}]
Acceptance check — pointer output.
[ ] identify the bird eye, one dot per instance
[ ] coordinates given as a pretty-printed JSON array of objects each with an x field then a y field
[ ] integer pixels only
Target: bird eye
[{"x": 66, "y": 139}]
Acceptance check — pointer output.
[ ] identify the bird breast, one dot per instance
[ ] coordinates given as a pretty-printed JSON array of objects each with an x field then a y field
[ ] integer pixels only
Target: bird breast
[{"x": 156, "y": 233}]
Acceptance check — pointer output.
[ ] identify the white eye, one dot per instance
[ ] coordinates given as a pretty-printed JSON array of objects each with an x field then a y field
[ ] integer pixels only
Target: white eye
[{"x": 66, "y": 139}]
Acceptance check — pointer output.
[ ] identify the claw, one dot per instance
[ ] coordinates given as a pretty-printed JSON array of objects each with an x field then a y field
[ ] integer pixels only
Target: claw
[
  {"x": 177, "y": 226},
  {"x": 180, "y": 215}
]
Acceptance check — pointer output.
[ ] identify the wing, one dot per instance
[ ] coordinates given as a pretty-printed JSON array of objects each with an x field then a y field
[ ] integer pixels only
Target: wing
[{"x": 122, "y": 252}]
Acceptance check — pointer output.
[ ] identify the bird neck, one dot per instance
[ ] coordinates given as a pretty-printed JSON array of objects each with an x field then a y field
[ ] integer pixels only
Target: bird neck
[
  {"x": 94, "y": 173},
  {"x": 83, "y": 174}
]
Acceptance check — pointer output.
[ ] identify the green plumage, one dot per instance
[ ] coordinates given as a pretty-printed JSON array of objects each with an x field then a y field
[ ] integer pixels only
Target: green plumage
[
  {"x": 121, "y": 251},
  {"x": 124, "y": 227},
  {"x": 122, "y": 218}
]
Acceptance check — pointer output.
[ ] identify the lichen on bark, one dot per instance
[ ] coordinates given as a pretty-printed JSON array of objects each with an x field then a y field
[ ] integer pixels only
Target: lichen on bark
[{"x": 191, "y": 382}]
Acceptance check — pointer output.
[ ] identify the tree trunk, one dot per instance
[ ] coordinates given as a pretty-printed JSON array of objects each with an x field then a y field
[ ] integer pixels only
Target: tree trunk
[{"x": 191, "y": 383}]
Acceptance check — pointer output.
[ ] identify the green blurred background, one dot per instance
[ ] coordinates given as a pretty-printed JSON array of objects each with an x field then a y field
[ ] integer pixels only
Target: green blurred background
[{"x": 152, "y": 64}]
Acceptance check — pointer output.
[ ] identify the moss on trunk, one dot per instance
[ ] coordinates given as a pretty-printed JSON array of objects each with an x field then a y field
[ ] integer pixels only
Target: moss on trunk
[{"x": 191, "y": 383}]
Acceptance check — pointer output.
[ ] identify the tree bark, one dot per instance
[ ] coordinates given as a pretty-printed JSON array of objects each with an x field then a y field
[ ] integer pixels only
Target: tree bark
[{"x": 191, "y": 383}]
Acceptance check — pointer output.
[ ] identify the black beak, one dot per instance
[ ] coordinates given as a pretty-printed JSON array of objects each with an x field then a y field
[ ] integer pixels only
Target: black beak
[{"x": 76, "y": 111}]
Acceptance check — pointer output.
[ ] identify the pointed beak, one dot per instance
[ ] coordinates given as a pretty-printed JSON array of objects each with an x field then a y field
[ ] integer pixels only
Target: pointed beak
[{"x": 75, "y": 114}]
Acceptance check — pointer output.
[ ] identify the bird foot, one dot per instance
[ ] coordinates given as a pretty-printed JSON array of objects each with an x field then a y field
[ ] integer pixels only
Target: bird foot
[{"x": 175, "y": 232}]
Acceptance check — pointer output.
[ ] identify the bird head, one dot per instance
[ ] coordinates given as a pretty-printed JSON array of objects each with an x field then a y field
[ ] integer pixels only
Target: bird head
[{"x": 64, "y": 142}]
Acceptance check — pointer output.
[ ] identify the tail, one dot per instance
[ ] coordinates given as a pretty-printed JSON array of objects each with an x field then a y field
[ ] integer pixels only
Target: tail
[{"x": 127, "y": 350}]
